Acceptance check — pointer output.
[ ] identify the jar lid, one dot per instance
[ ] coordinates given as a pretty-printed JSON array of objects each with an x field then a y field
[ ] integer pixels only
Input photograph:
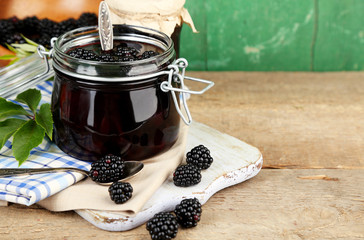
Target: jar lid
[
  {"x": 163, "y": 7},
  {"x": 161, "y": 15}
]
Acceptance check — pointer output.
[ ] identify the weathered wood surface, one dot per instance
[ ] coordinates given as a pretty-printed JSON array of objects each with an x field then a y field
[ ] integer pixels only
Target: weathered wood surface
[
  {"x": 276, "y": 204},
  {"x": 297, "y": 120}
]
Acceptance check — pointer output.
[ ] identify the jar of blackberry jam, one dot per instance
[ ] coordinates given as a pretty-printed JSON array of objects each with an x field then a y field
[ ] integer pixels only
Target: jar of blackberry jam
[{"x": 120, "y": 102}]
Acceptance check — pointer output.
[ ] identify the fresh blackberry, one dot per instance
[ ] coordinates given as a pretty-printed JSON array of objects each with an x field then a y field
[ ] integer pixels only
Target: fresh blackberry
[
  {"x": 18, "y": 38},
  {"x": 108, "y": 169},
  {"x": 186, "y": 175},
  {"x": 44, "y": 40},
  {"x": 120, "y": 192},
  {"x": 9, "y": 38},
  {"x": 68, "y": 25},
  {"x": 200, "y": 157},
  {"x": 29, "y": 25},
  {"x": 162, "y": 226},
  {"x": 87, "y": 19},
  {"x": 49, "y": 28},
  {"x": 6, "y": 32},
  {"x": 6, "y": 26},
  {"x": 188, "y": 212}
]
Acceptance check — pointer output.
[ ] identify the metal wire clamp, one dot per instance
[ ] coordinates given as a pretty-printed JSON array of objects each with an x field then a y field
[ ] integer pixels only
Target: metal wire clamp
[{"x": 174, "y": 75}]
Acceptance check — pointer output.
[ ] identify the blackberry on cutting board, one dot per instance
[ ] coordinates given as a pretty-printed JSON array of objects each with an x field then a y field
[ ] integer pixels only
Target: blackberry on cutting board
[
  {"x": 186, "y": 175},
  {"x": 107, "y": 169},
  {"x": 200, "y": 157},
  {"x": 120, "y": 192},
  {"x": 188, "y": 212},
  {"x": 162, "y": 226}
]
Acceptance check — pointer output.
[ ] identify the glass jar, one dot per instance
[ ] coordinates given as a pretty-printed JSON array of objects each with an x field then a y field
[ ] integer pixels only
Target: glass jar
[{"x": 118, "y": 108}]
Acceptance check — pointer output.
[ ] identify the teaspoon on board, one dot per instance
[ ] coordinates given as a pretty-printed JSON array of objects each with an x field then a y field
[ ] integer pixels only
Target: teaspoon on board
[{"x": 131, "y": 168}]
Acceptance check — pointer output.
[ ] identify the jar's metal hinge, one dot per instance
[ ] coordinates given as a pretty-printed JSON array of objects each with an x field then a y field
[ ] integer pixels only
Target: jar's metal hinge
[{"x": 175, "y": 75}]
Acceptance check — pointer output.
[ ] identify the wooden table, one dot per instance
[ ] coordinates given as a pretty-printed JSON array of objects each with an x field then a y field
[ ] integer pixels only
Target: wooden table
[{"x": 310, "y": 129}]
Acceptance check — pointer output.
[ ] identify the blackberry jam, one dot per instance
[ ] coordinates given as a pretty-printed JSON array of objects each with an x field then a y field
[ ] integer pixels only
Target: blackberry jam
[{"x": 114, "y": 107}]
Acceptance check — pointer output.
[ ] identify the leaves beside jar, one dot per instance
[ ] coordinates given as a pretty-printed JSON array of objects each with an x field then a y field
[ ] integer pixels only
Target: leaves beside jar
[
  {"x": 20, "y": 50},
  {"x": 27, "y": 134}
]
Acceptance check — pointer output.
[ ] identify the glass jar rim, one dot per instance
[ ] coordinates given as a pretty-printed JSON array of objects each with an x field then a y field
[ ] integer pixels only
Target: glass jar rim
[{"x": 68, "y": 64}]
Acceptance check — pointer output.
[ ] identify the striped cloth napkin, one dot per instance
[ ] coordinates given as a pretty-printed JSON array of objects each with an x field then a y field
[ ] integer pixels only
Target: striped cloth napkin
[{"x": 30, "y": 189}]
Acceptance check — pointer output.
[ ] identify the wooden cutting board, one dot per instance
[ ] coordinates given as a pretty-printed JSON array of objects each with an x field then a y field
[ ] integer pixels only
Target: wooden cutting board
[{"x": 234, "y": 162}]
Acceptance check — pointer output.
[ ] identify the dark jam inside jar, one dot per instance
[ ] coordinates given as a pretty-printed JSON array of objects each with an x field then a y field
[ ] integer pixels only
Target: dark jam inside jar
[
  {"x": 131, "y": 120},
  {"x": 122, "y": 51},
  {"x": 134, "y": 119}
]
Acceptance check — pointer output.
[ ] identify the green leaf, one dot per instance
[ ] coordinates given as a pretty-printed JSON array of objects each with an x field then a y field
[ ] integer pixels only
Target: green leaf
[
  {"x": 44, "y": 119},
  {"x": 8, "y": 128},
  {"x": 21, "y": 52},
  {"x": 25, "y": 139},
  {"x": 13, "y": 61},
  {"x": 11, "y": 48},
  {"x": 8, "y": 108},
  {"x": 25, "y": 47},
  {"x": 30, "y": 97},
  {"x": 7, "y": 57},
  {"x": 29, "y": 41}
]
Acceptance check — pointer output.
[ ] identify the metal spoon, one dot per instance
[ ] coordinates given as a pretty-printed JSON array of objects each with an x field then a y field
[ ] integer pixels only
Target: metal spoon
[
  {"x": 131, "y": 169},
  {"x": 105, "y": 27}
]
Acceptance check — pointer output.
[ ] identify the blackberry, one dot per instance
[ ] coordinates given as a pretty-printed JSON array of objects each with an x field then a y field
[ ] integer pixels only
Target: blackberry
[
  {"x": 83, "y": 54},
  {"x": 186, "y": 175},
  {"x": 126, "y": 51},
  {"x": 50, "y": 28},
  {"x": 162, "y": 226},
  {"x": 120, "y": 192},
  {"x": 188, "y": 212},
  {"x": 148, "y": 54},
  {"x": 9, "y": 38},
  {"x": 125, "y": 54},
  {"x": 45, "y": 40},
  {"x": 106, "y": 57},
  {"x": 200, "y": 157},
  {"x": 87, "y": 19},
  {"x": 29, "y": 25},
  {"x": 6, "y": 26},
  {"x": 67, "y": 25},
  {"x": 108, "y": 169}
]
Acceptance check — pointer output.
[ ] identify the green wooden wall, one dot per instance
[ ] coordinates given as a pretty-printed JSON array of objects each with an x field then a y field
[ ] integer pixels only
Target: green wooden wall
[{"x": 275, "y": 35}]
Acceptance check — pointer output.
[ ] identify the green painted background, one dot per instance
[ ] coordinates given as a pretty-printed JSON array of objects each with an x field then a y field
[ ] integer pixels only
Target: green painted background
[{"x": 275, "y": 35}]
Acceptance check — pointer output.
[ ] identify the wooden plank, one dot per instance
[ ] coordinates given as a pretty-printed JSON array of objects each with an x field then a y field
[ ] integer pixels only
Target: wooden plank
[
  {"x": 297, "y": 120},
  {"x": 193, "y": 46},
  {"x": 276, "y": 204},
  {"x": 340, "y": 39},
  {"x": 261, "y": 35}
]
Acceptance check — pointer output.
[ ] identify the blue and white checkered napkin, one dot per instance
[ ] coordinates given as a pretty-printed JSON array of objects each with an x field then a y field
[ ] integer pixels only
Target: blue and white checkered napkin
[{"x": 30, "y": 189}]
